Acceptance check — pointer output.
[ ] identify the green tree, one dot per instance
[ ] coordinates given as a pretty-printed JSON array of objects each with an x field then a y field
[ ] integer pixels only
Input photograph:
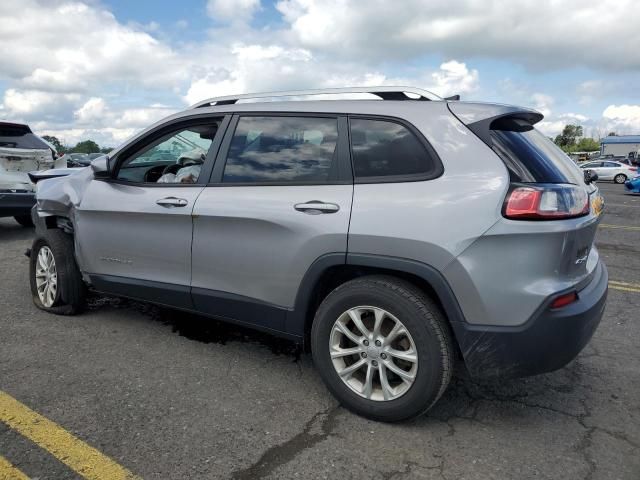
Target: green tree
[
  {"x": 55, "y": 142},
  {"x": 587, "y": 145},
  {"x": 567, "y": 138},
  {"x": 86, "y": 146},
  {"x": 106, "y": 149}
]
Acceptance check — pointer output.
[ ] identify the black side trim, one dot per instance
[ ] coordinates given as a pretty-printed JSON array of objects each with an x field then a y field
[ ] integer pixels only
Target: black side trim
[
  {"x": 243, "y": 309},
  {"x": 168, "y": 294},
  {"x": 296, "y": 318},
  {"x": 426, "y": 272}
]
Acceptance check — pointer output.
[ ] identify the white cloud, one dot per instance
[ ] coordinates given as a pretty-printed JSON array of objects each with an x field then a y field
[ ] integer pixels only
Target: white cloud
[
  {"x": 554, "y": 125},
  {"x": 256, "y": 68},
  {"x": 68, "y": 46},
  {"x": 623, "y": 119},
  {"x": 549, "y": 34},
  {"x": 454, "y": 77},
  {"x": 93, "y": 110},
  {"x": 543, "y": 103},
  {"x": 232, "y": 10},
  {"x": 82, "y": 72},
  {"x": 30, "y": 103}
]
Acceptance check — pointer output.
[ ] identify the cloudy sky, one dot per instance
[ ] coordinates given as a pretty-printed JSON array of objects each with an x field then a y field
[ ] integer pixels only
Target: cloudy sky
[{"x": 103, "y": 69}]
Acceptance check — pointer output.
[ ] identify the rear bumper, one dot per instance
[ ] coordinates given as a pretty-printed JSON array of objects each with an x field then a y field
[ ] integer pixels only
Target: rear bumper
[
  {"x": 548, "y": 341},
  {"x": 14, "y": 204}
]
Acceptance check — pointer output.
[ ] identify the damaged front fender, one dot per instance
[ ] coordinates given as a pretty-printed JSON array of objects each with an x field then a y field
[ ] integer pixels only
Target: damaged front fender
[{"x": 60, "y": 195}]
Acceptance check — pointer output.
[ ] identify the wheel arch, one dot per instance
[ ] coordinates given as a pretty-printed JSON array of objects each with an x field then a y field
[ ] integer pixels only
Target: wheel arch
[{"x": 332, "y": 270}]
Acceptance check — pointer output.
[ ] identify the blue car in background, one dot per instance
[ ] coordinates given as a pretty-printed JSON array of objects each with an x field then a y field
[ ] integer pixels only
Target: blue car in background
[{"x": 633, "y": 185}]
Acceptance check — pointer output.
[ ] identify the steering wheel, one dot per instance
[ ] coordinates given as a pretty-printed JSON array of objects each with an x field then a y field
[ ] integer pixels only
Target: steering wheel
[{"x": 153, "y": 174}]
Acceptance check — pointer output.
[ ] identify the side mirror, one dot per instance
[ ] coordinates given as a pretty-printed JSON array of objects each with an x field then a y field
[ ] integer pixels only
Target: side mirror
[
  {"x": 590, "y": 176},
  {"x": 101, "y": 167}
]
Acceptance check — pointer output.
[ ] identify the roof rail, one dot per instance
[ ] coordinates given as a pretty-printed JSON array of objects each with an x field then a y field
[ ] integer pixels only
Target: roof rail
[{"x": 385, "y": 93}]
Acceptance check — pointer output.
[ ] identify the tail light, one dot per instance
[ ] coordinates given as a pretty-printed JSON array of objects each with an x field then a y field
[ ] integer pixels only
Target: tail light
[
  {"x": 546, "y": 202},
  {"x": 633, "y": 169},
  {"x": 564, "y": 300}
]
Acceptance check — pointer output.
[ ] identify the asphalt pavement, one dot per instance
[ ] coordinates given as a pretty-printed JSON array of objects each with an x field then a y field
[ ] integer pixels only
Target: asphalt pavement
[{"x": 173, "y": 396}]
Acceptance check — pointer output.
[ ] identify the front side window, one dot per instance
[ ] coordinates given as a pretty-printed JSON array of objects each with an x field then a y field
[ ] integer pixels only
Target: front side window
[
  {"x": 175, "y": 157},
  {"x": 592, "y": 165},
  {"x": 282, "y": 149},
  {"x": 382, "y": 148}
]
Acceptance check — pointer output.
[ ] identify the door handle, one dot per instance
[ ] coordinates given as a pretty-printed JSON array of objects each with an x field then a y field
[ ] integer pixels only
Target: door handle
[
  {"x": 170, "y": 202},
  {"x": 316, "y": 207}
]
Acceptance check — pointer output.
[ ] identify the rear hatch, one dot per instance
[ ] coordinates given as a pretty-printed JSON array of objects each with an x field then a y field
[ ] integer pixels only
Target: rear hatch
[
  {"x": 21, "y": 151},
  {"x": 548, "y": 203}
]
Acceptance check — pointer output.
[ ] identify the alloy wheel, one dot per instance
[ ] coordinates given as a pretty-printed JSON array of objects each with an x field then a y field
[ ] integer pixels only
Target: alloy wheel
[
  {"x": 373, "y": 353},
  {"x": 46, "y": 277}
]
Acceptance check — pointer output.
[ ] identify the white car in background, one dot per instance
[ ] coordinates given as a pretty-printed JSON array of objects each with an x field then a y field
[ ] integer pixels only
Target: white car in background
[
  {"x": 610, "y": 170},
  {"x": 21, "y": 152}
]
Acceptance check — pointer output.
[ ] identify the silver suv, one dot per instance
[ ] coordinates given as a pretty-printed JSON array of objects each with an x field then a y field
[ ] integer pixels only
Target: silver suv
[{"x": 392, "y": 236}]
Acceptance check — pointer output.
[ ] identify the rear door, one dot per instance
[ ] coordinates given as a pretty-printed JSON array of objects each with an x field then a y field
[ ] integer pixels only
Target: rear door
[
  {"x": 133, "y": 231},
  {"x": 609, "y": 170},
  {"x": 279, "y": 199}
]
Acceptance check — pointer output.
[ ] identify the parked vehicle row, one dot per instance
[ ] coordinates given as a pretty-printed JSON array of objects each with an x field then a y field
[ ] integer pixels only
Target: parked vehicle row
[
  {"x": 609, "y": 170},
  {"x": 390, "y": 236},
  {"x": 21, "y": 151},
  {"x": 80, "y": 159}
]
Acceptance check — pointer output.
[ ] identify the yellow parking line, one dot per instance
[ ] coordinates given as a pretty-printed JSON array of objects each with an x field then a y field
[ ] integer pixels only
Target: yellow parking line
[
  {"x": 621, "y": 227},
  {"x": 9, "y": 472},
  {"x": 624, "y": 286},
  {"x": 70, "y": 450}
]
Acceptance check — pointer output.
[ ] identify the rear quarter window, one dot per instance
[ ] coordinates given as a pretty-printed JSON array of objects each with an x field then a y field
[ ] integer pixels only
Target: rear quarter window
[
  {"x": 530, "y": 156},
  {"x": 384, "y": 150}
]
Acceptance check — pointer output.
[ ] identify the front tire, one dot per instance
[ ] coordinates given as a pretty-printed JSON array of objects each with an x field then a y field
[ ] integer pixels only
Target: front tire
[
  {"x": 620, "y": 178},
  {"x": 383, "y": 348},
  {"x": 24, "y": 220},
  {"x": 56, "y": 281}
]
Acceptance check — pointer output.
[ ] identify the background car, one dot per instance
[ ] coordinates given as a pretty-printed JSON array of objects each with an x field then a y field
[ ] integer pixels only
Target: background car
[
  {"x": 21, "y": 151},
  {"x": 610, "y": 170}
]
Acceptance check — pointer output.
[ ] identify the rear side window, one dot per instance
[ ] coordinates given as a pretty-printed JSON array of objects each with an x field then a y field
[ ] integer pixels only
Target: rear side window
[
  {"x": 530, "y": 156},
  {"x": 19, "y": 136},
  {"x": 282, "y": 149},
  {"x": 383, "y": 149}
]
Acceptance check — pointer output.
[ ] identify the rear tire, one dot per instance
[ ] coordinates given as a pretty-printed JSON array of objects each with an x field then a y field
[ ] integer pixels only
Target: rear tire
[
  {"x": 24, "y": 220},
  {"x": 386, "y": 387},
  {"x": 620, "y": 178},
  {"x": 53, "y": 260}
]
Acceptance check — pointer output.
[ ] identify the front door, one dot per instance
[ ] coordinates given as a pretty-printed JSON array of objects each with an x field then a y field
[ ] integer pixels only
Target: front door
[
  {"x": 280, "y": 198},
  {"x": 134, "y": 230}
]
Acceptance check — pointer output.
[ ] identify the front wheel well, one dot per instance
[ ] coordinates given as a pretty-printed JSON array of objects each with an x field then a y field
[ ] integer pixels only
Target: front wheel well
[
  {"x": 63, "y": 223},
  {"x": 335, "y": 276}
]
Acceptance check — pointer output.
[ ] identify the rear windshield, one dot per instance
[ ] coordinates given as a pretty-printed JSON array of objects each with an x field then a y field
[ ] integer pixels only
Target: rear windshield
[
  {"x": 530, "y": 156},
  {"x": 18, "y": 136}
]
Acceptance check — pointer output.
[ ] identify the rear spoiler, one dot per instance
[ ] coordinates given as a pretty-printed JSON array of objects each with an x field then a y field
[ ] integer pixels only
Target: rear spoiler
[
  {"x": 52, "y": 173},
  {"x": 478, "y": 117}
]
